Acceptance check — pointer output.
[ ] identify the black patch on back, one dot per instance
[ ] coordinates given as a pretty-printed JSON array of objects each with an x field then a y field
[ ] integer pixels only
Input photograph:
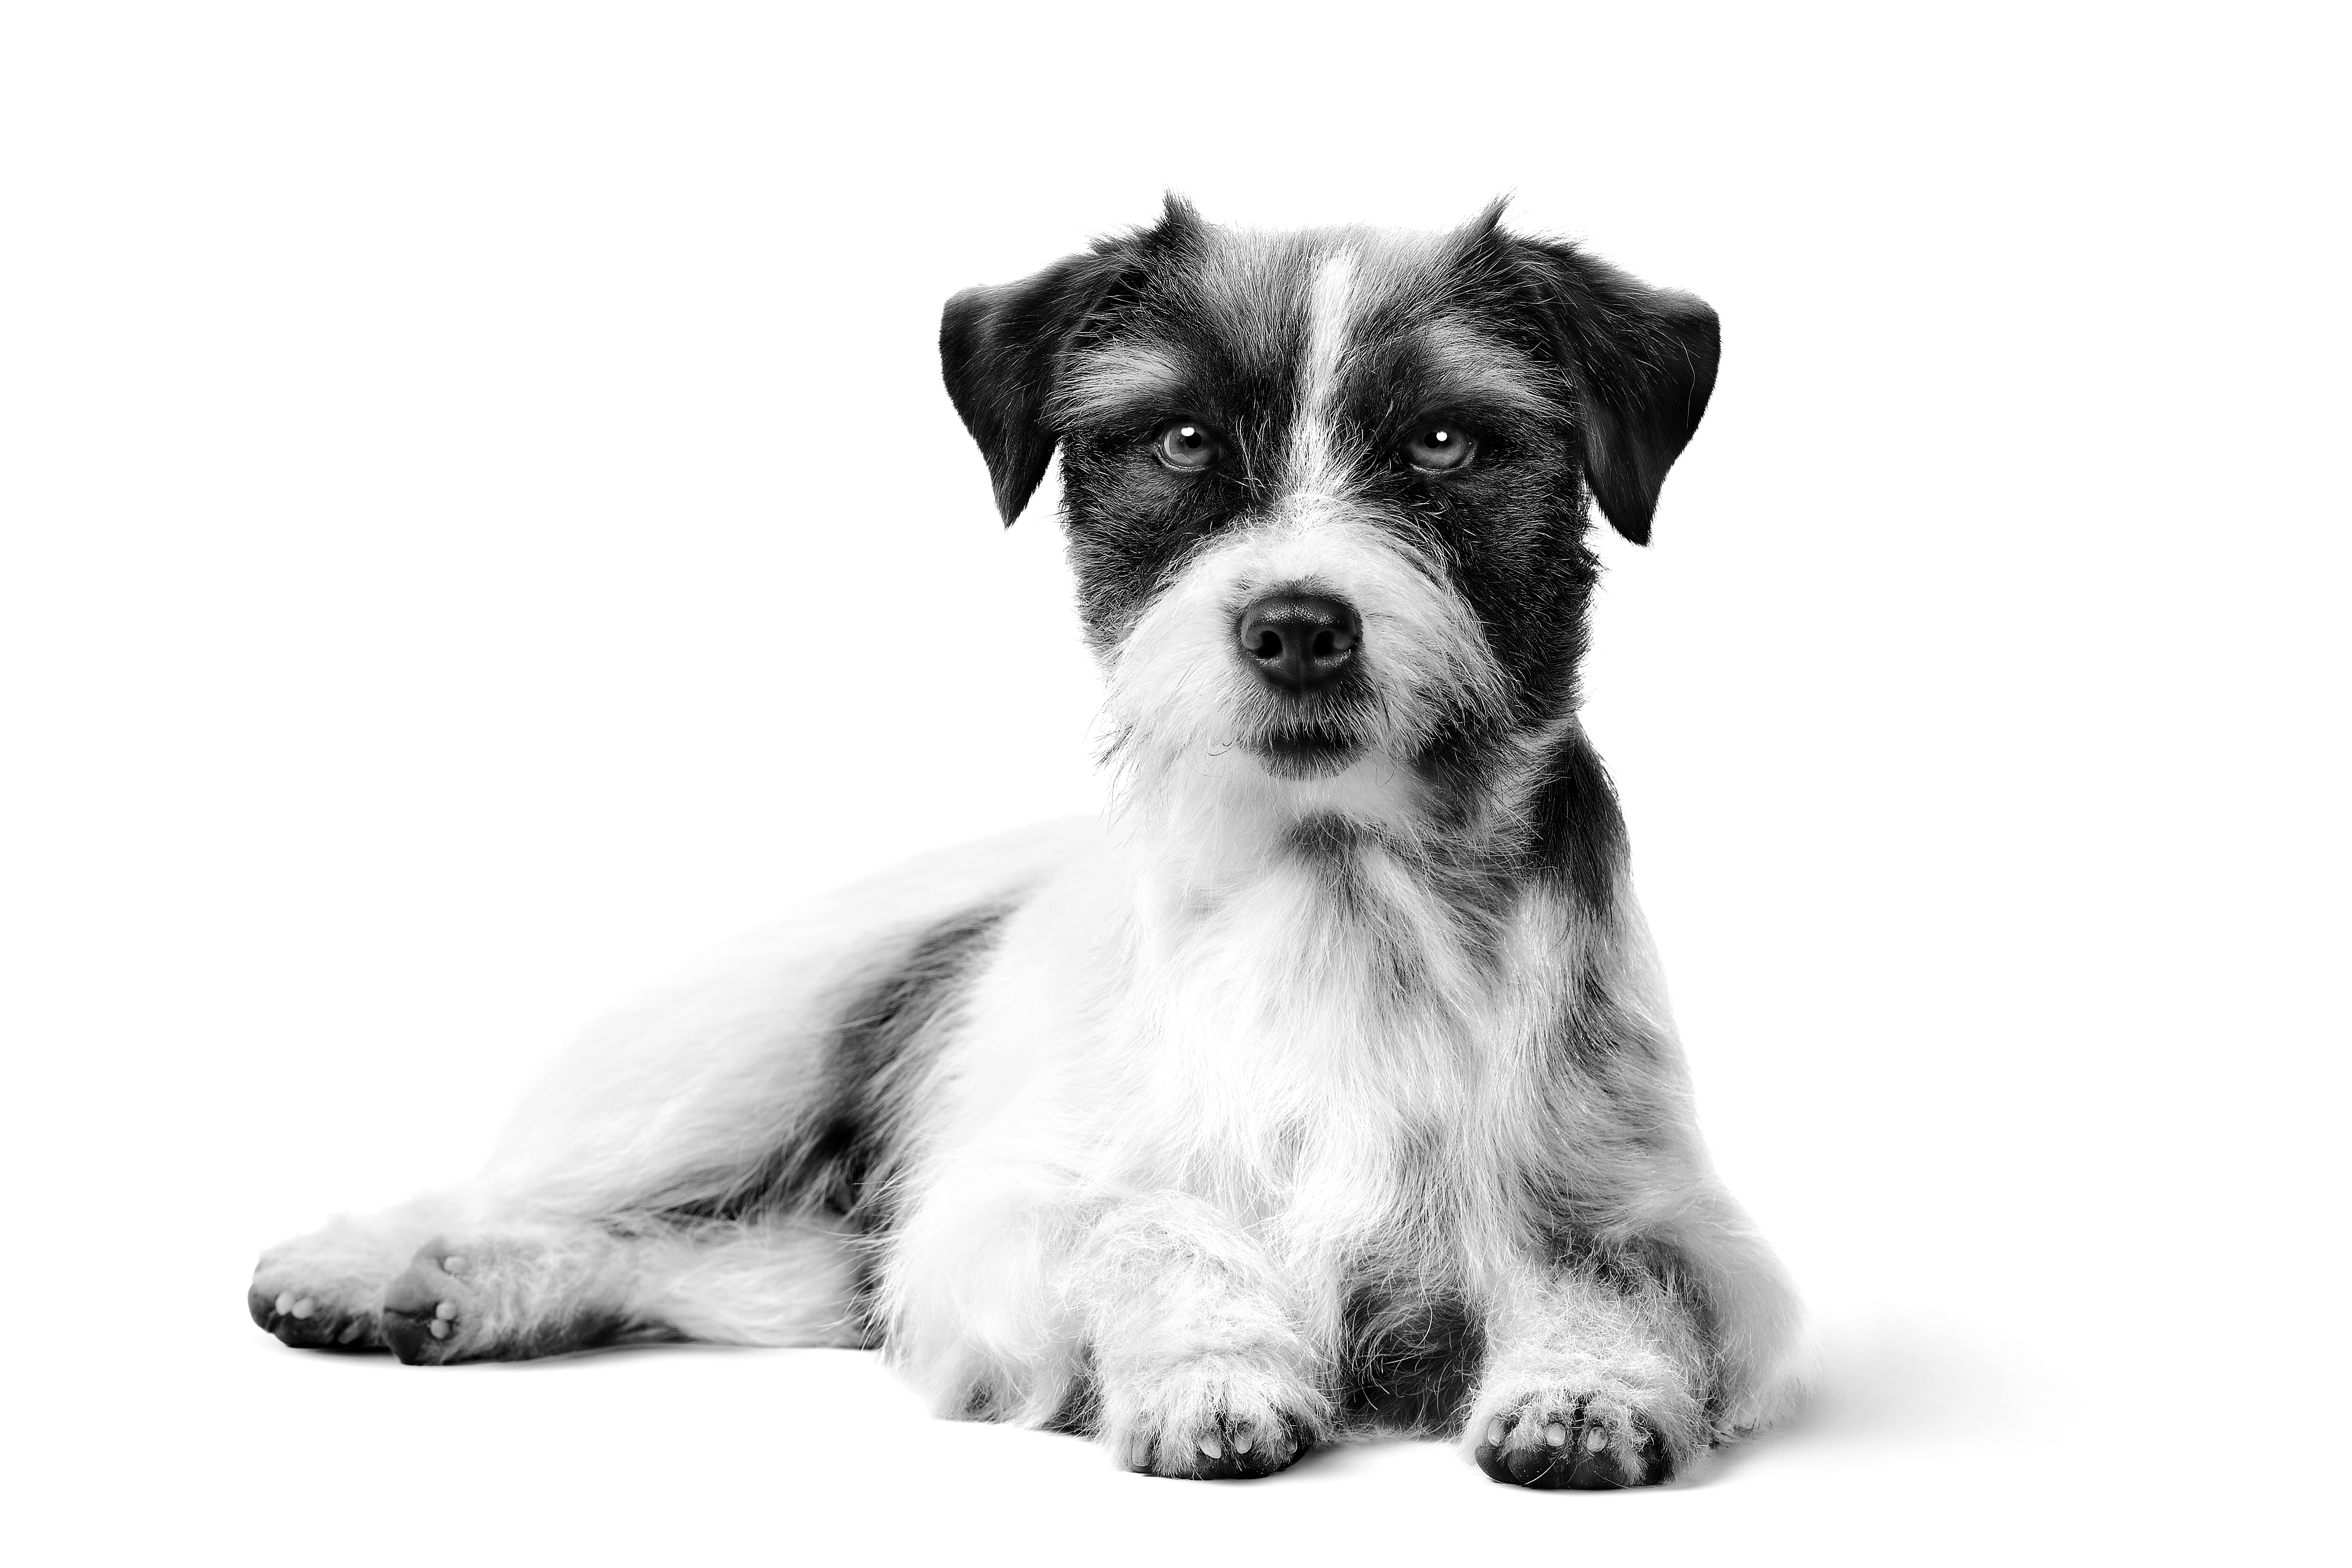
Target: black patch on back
[
  {"x": 1412, "y": 1358},
  {"x": 879, "y": 1032},
  {"x": 837, "y": 1162}
]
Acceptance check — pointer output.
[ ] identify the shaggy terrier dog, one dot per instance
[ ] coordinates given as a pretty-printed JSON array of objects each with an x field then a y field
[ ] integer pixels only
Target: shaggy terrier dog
[{"x": 1329, "y": 1085}]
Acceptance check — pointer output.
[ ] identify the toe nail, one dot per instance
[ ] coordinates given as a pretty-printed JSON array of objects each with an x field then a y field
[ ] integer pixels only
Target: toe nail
[
  {"x": 1596, "y": 1439},
  {"x": 452, "y": 1264},
  {"x": 1211, "y": 1448},
  {"x": 285, "y": 1302},
  {"x": 1494, "y": 1432},
  {"x": 351, "y": 1332},
  {"x": 447, "y": 1309},
  {"x": 1555, "y": 1433},
  {"x": 304, "y": 1307},
  {"x": 440, "y": 1328},
  {"x": 1243, "y": 1439}
]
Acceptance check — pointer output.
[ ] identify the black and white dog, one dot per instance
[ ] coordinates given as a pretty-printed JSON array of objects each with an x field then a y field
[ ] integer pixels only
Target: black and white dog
[{"x": 1328, "y": 1086}]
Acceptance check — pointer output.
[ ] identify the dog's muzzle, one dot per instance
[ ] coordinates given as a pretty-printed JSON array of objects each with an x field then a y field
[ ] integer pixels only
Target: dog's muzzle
[{"x": 1303, "y": 648}]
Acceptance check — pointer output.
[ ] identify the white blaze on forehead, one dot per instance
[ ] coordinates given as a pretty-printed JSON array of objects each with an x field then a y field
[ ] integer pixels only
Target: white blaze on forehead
[{"x": 1330, "y": 324}]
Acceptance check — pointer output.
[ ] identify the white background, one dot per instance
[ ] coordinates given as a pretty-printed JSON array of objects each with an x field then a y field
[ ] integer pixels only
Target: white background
[{"x": 481, "y": 523}]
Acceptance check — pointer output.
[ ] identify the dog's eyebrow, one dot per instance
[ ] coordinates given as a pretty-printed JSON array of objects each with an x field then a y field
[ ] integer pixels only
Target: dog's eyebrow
[
  {"x": 1116, "y": 380},
  {"x": 1459, "y": 360}
]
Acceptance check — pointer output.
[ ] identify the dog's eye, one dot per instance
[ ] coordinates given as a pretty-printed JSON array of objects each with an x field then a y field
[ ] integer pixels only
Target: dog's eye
[
  {"x": 1438, "y": 447},
  {"x": 1186, "y": 445}
]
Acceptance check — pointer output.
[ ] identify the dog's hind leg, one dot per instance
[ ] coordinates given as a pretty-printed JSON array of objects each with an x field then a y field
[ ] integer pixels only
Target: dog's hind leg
[
  {"x": 667, "y": 1176},
  {"x": 525, "y": 1289},
  {"x": 685, "y": 1108},
  {"x": 443, "y": 1280}
]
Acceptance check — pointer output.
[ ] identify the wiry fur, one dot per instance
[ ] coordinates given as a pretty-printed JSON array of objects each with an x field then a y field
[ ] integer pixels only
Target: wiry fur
[{"x": 1329, "y": 1086}]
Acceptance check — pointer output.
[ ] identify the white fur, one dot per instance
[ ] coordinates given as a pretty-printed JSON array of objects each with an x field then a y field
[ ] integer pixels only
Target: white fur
[{"x": 1319, "y": 462}]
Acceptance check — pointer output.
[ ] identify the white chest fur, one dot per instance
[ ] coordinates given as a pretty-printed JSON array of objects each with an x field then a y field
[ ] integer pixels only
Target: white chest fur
[{"x": 1319, "y": 1050}]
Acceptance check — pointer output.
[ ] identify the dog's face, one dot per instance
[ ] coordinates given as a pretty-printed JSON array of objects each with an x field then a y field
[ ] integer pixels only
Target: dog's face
[{"x": 1325, "y": 490}]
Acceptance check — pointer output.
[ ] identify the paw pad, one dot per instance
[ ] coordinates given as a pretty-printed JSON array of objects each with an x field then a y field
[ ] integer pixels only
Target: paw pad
[
  {"x": 422, "y": 1307},
  {"x": 1229, "y": 1447}
]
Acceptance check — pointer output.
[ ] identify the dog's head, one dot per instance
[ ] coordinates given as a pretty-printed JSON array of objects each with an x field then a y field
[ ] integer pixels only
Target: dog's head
[{"x": 1326, "y": 492}]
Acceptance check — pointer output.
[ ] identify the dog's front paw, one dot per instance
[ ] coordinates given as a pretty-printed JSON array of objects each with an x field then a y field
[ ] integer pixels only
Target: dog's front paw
[
  {"x": 1554, "y": 1439},
  {"x": 1216, "y": 1418},
  {"x": 1225, "y": 1445}
]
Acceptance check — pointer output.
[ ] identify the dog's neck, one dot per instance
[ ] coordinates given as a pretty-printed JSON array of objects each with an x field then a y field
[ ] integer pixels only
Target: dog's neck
[{"x": 1532, "y": 809}]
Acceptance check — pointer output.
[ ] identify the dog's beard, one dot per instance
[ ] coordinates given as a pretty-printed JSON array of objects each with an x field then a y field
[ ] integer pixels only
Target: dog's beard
[
  {"x": 1200, "y": 746},
  {"x": 1311, "y": 736}
]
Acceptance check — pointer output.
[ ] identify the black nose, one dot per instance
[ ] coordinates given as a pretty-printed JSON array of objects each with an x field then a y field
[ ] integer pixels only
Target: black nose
[{"x": 1299, "y": 641}]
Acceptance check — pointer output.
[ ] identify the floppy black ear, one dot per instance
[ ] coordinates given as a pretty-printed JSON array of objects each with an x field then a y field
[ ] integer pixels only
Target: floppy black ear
[
  {"x": 1002, "y": 346},
  {"x": 1643, "y": 360}
]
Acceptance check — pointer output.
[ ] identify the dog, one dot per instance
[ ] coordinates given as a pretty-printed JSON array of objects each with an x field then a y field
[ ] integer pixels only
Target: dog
[{"x": 1327, "y": 1085}]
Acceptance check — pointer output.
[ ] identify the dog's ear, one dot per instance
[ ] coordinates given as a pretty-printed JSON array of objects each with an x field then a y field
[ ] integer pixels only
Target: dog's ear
[
  {"x": 1642, "y": 360},
  {"x": 1000, "y": 347}
]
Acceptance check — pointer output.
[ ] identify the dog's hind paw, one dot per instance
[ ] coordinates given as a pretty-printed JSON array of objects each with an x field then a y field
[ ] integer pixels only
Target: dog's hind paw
[
  {"x": 325, "y": 1291},
  {"x": 311, "y": 1317},
  {"x": 509, "y": 1297},
  {"x": 433, "y": 1312},
  {"x": 1576, "y": 1443}
]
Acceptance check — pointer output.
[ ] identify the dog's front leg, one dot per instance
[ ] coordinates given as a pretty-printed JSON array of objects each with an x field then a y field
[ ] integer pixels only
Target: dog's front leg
[
  {"x": 1201, "y": 1368},
  {"x": 1593, "y": 1380}
]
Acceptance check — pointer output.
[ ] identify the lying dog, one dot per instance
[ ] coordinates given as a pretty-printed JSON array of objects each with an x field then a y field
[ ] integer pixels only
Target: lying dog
[{"x": 1329, "y": 1086}]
